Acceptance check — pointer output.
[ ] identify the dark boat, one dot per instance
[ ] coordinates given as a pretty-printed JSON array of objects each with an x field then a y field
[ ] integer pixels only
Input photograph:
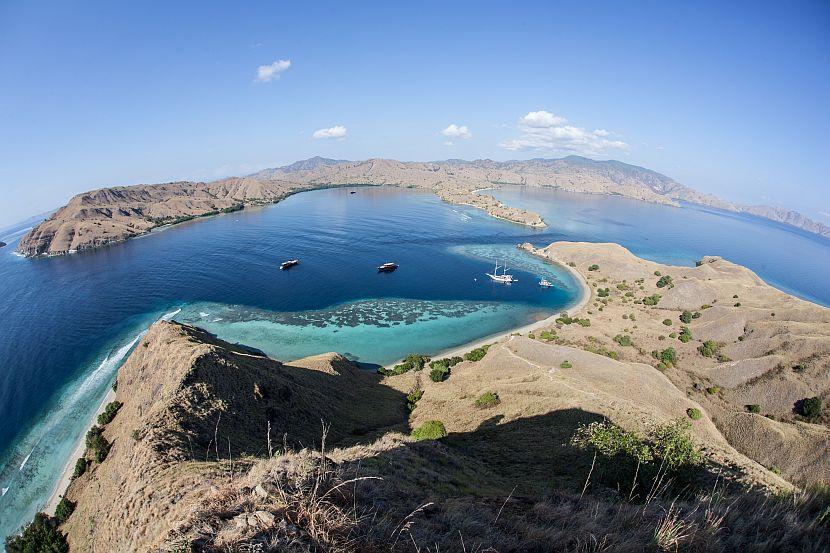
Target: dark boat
[
  {"x": 289, "y": 264},
  {"x": 352, "y": 192},
  {"x": 387, "y": 267}
]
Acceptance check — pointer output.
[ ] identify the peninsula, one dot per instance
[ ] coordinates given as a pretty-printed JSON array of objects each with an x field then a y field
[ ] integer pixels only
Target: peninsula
[
  {"x": 110, "y": 215},
  {"x": 214, "y": 446}
]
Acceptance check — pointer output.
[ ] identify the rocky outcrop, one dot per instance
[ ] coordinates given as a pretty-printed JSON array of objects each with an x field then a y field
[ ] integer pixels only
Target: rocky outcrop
[{"x": 2, "y": 244}]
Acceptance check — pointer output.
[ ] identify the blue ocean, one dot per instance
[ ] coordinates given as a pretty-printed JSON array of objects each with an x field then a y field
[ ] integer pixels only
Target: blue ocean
[{"x": 68, "y": 323}]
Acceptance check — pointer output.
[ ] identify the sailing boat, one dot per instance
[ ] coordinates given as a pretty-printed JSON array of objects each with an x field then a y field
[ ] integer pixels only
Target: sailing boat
[{"x": 504, "y": 277}]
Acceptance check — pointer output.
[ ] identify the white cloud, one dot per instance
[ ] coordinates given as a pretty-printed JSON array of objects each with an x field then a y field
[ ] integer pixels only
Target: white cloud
[
  {"x": 267, "y": 73},
  {"x": 337, "y": 131},
  {"x": 542, "y": 130},
  {"x": 449, "y": 143},
  {"x": 457, "y": 131},
  {"x": 543, "y": 119}
]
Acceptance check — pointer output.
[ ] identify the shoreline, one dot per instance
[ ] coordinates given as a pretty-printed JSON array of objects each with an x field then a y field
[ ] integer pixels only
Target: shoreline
[
  {"x": 69, "y": 467},
  {"x": 584, "y": 300}
]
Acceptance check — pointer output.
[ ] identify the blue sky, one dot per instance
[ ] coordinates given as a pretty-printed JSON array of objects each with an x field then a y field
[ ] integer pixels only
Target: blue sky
[{"x": 728, "y": 99}]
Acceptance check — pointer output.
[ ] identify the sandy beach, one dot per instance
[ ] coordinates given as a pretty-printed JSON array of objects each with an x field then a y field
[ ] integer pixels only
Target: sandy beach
[
  {"x": 69, "y": 467},
  {"x": 585, "y": 297}
]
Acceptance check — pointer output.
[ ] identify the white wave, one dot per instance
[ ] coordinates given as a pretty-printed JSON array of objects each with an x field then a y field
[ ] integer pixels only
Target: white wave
[
  {"x": 204, "y": 315},
  {"x": 216, "y": 320},
  {"x": 168, "y": 316},
  {"x": 26, "y": 459},
  {"x": 5, "y": 491}
]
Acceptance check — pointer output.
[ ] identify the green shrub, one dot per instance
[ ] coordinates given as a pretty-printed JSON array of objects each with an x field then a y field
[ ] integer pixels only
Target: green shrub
[
  {"x": 708, "y": 348},
  {"x": 623, "y": 340},
  {"x": 753, "y": 408},
  {"x": 64, "y": 509},
  {"x": 584, "y": 322},
  {"x": 622, "y": 286},
  {"x": 97, "y": 444},
  {"x": 477, "y": 354},
  {"x": 658, "y": 273},
  {"x": 593, "y": 268},
  {"x": 412, "y": 399},
  {"x": 735, "y": 296},
  {"x": 624, "y": 458},
  {"x": 565, "y": 319},
  {"x": 686, "y": 317},
  {"x": 603, "y": 292},
  {"x": 694, "y": 413},
  {"x": 685, "y": 334},
  {"x": 439, "y": 374},
  {"x": 39, "y": 536},
  {"x": 566, "y": 364},
  {"x": 448, "y": 362},
  {"x": 664, "y": 281},
  {"x": 430, "y": 430},
  {"x": 712, "y": 390},
  {"x": 487, "y": 399},
  {"x": 696, "y": 315},
  {"x": 109, "y": 412},
  {"x": 653, "y": 299},
  {"x": 667, "y": 357},
  {"x": 80, "y": 467},
  {"x": 811, "y": 407},
  {"x": 412, "y": 361},
  {"x": 547, "y": 335},
  {"x": 667, "y": 322},
  {"x": 738, "y": 304}
]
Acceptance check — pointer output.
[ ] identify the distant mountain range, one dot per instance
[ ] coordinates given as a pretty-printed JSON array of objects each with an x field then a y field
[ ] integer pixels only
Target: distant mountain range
[{"x": 115, "y": 214}]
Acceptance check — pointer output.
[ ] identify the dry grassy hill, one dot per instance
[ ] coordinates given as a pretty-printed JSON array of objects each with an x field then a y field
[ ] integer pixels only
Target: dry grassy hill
[{"x": 567, "y": 439}]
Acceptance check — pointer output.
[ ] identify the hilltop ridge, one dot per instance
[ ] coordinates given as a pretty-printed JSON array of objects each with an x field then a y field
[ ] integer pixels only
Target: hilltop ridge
[{"x": 109, "y": 215}]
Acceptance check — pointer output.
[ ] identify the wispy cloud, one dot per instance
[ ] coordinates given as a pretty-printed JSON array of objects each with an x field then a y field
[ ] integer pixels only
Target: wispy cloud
[
  {"x": 449, "y": 143},
  {"x": 543, "y": 130},
  {"x": 457, "y": 131},
  {"x": 267, "y": 73},
  {"x": 337, "y": 132}
]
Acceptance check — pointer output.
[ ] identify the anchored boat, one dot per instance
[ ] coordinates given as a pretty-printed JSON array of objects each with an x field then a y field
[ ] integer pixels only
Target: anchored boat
[
  {"x": 288, "y": 264},
  {"x": 504, "y": 277},
  {"x": 545, "y": 283},
  {"x": 387, "y": 267}
]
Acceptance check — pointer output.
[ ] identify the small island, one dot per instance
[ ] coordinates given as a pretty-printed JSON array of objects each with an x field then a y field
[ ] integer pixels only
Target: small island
[{"x": 2, "y": 244}]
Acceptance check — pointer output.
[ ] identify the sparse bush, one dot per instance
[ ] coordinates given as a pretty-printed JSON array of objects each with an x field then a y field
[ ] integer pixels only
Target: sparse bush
[
  {"x": 565, "y": 319},
  {"x": 80, "y": 467},
  {"x": 667, "y": 322},
  {"x": 664, "y": 281},
  {"x": 584, "y": 322},
  {"x": 653, "y": 299},
  {"x": 430, "y": 430},
  {"x": 738, "y": 304},
  {"x": 686, "y": 317},
  {"x": 109, "y": 412},
  {"x": 97, "y": 444},
  {"x": 668, "y": 357},
  {"x": 685, "y": 334},
  {"x": 658, "y": 273},
  {"x": 623, "y": 340},
  {"x": 39, "y": 536},
  {"x": 410, "y": 362},
  {"x": 694, "y": 413},
  {"x": 63, "y": 510},
  {"x": 547, "y": 335},
  {"x": 593, "y": 268},
  {"x": 712, "y": 390},
  {"x": 440, "y": 373},
  {"x": 477, "y": 354},
  {"x": 603, "y": 292},
  {"x": 753, "y": 408},
  {"x": 412, "y": 399},
  {"x": 566, "y": 364},
  {"x": 487, "y": 399},
  {"x": 708, "y": 348},
  {"x": 811, "y": 407}
]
